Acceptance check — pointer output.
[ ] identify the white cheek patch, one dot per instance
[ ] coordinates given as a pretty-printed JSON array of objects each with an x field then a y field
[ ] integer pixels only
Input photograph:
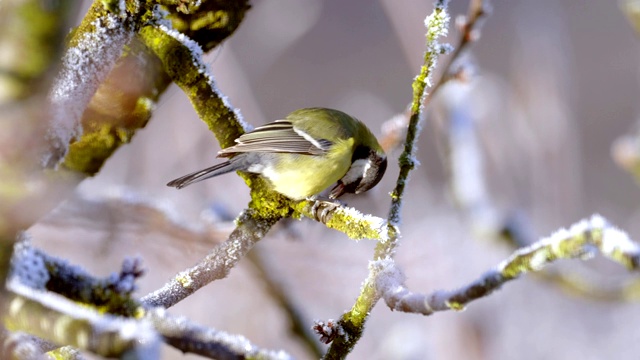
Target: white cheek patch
[
  {"x": 367, "y": 167},
  {"x": 310, "y": 139},
  {"x": 356, "y": 171}
]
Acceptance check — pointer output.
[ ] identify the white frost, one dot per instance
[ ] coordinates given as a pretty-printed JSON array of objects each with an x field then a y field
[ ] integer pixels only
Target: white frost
[
  {"x": 83, "y": 69},
  {"x": 203, "y": 68}
]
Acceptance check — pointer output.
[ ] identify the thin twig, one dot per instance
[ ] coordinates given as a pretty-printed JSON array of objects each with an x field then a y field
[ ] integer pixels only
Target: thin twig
[
  {"x": 581, "y": 241},
  {"x": 352, "y": 322},
  {"x": 214, "y": 266},
  {"x": 299, "y": 328},
  {"x": 188, "y": 337}
]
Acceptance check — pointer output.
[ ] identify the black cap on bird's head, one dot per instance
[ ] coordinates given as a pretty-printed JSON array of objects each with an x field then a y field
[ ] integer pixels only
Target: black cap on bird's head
[{"x": 367, "y": 168}]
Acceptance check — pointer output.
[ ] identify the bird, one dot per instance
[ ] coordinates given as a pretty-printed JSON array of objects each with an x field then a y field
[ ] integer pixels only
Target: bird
[{"x": 303, "y": 154}]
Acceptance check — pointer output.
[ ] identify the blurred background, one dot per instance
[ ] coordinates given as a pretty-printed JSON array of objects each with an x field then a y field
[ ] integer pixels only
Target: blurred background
[{"x": 555, "y": 84}]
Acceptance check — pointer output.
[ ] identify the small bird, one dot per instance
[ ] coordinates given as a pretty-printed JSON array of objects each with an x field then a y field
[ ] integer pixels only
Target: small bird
[{"x": 303, "y": 154}]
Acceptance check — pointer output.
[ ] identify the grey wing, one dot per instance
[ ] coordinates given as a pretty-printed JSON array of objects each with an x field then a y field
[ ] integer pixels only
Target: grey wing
[{"x": 279, "y": 136}]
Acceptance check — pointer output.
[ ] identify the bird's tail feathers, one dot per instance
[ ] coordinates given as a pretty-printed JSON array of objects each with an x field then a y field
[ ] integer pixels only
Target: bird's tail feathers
[{"x": 203, "y": 174}]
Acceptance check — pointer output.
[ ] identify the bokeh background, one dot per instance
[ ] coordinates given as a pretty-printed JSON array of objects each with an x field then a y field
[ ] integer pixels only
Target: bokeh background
[{"x": 556, "y": 83}]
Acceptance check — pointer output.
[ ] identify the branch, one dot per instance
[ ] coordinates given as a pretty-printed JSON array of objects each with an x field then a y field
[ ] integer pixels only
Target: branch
[
  {"x": 94, "y": 49},
  {"x": 19, "y": 345},
  {"x": 469, "y": 26},
  {"x": 581, "y": 241},
  {"x": 182, "y": 60},
  {"x": 216, "y": 265},
  {"x": 180, "y": 333},
  {"x": 40, "y": 271},
  {"x": 347, "y": 220},
  {"x": 353, "y": 321},
  {"x": 278, "y": 292},
  {"x": 38, "y": 312},
  {"x": 125, "y": 99}
]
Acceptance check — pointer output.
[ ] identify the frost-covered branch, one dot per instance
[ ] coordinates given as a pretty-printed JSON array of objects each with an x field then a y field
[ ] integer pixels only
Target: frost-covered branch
[
  {"x": 182, "y": 60},
  {"x": 188, "y": 337},
  {"x": 38, "y": 312},
  {"x": 37, "y": 272},
  {"x": 216, "y": 265},
  {"x": 469, "y": 27},
  {"x": 348, "y": 220},
  {"x": 437, "y": 26},
  {"x": 394, "y": 129},
  {"x": 352, "y": 322},
  {"x": 94, "y": 49},
  {"x": 88, "y": 122},
  {"x": 19, "y": 345},
  {"x": 140, "y": 78},
  {"x": 40, "y": 271},
  {"x": 583, "y": 240}
]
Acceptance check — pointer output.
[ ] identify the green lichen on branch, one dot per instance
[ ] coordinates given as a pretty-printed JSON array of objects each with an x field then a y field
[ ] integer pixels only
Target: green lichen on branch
[
  {"x": 580, "y": 241},
  {"x": 124, "y": 102},
  {"x": 357, "y": 228},
  {"x": 437, "y": 26},
  {"x": 437, "y": 23},
  {"x": 184, "y": 66},
  {"x": 265, "y": 202},
  {"x": 101, "y": 137},
  {"x": 64, "y": 353},
  {"x": 39, "y": 312},
  {"x": 112, "y": 294},
  {"x": 209, "y": 22},
  {"x": 351, "y": 222}
]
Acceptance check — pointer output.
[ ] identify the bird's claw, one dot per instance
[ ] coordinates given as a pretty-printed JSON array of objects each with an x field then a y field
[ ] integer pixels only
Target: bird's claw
[{"x": 323, "y": 209}]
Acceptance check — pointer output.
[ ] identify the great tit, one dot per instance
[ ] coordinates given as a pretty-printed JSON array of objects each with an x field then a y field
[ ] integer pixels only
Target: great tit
[{"x": 303, "y": 154}]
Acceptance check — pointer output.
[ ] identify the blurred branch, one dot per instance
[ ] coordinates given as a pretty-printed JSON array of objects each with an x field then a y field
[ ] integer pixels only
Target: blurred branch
[
  {"x": 468, "y": 186},
  {"x": 469, "y": 27},
  {"x": 94, "y": 48},
  {"x": 19, "y": 345},
  {"x": 38, "y": 312},
  {"x": 625, "y": 151},
  {"x": 352, "y": 322},
  {"x": 584, "y": 286},
  {"x": 631, "y": 8},
  {"x": 278, "y": 292},
  {"x": 394, "y": 130},
  {"x": 182, "y": 334},
  {"x": 65, "y": 353},
  {"x": 30, "y": 36},
  {"x": 125, "y": 99},
  {"x": 581, "y": 241},
  {"x": 40, "y": 271}
]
